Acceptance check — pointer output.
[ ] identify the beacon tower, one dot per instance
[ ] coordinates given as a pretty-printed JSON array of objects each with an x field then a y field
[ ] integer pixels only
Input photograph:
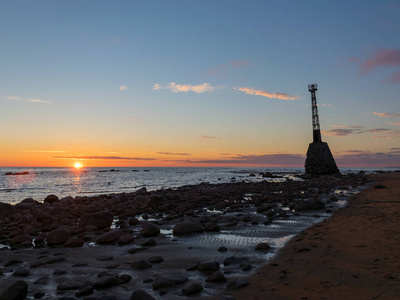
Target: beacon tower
[{"x": 319, "y": 160}]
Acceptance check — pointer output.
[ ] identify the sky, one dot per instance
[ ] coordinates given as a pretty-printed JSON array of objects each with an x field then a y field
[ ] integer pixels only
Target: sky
[{"x": 114, "y": 83}]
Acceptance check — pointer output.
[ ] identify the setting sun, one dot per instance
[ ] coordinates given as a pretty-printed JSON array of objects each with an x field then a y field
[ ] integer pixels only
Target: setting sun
[{"x": 78, "y": 165}]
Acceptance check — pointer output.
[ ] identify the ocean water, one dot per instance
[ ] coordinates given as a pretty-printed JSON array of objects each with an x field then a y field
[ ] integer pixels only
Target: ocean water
[{"x": 63, "y": 182}]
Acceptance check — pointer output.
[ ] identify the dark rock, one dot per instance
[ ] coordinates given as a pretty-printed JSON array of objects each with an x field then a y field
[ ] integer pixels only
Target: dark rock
[
  {"x": 141, "y": 295},
  {"x": 149, "y": 243},
  {"x": 55, "y": 259},
  {"x": 234, "y": 260},
  {"x": 69, "y": 286},
  {"x": 98, "y": 219},
  {"x": 156, "y": 259},
  {"x": 6, "y": 209},
  {"x": 21, "y": 238},
  {"x": 110, "y": 237},
  {"x": 105, "y": 257},
  {"x": 13, "y": 262},
  {"x": 222, "y": 249},
  {"x": 51, "y": 199},
  {"x": 16, "y": 291},
  {"x": 133, "y": 221},
  {"x": 192, "y": 287},
  {"x": 23, "y": 272},
  {"x": 39, "y": 295},
  {"x": 217, "y": 276},
  {"x": 57, "y": 236},
  {"x": 43, "y": 280},
  {"x": 141, "y": 264},
  {"x": 125, "y": 278},
  {"x": 125, "y": 239},
  {"x": 379, "y": 186},
  {"x": 309, "y": 205},
  {"x": 262, "y": 247},
  {"x": 193, "y": 268},
  {"x": 85, "y": 291},
  {"x": 245, "y": 266},
  {"x": 237, "y": 283},
  {"x": 149, "y": 229},
  {"x": 212, "y": 227},
  {"x": 74, "y": 242},
  {"x": 186, "y": 227},
  {"x": 209, "y": 266},
  {"x": 169, "y": 279},
  {"x": 106, "y": 282}
]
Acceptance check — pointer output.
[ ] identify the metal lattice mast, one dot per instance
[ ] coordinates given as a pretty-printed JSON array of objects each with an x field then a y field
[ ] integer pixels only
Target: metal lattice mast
[{"x": 315, "y": 119}]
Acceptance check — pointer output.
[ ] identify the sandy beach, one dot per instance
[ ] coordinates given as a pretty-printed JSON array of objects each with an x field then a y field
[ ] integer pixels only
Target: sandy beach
[{"x": 353, "y": 255}]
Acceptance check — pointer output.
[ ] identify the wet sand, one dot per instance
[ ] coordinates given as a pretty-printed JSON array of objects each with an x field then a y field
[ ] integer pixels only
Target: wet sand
[{"x": 353, "y": 255}]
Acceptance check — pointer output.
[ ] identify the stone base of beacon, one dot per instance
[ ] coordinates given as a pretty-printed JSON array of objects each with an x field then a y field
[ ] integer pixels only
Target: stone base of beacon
[{"x": 320, "y": 160}]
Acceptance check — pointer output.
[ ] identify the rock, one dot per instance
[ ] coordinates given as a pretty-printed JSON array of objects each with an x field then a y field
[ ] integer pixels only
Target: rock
[
  {"x": 57, "y": 236},
  {"x": 106, "y": 282},
  {"x": 245, "y": 266},
  {"x": 149, "y": 243},
  {"x": 16, "y": 291},
  {"x": 85, "y": 291},
  {"x": 98, "y": 219},
  {"x": 155, "y": 259},
  {"x": 125, "y": 239},
  {"x": 69, "y": 286},
  {"x": 39, "y": 295},
  {"x": 74, "y": 242},
  {"x": 6, "y": 209},
  {"x": 222, "y": 249},
  {"x": 217, "y": 276},
  {"x": 141, "y": 264},
  {"x": 125, "y": 278},
  {"x": 51, "y": 199},
  {"x": 13, "y": 262},
  {"x": 237, "y": 283},
  {"x": 186, "y": 227},
  {"x": 309, "y": 205},
  {"x": 19, "y": 239},
  {"x": 105, "y": 258},
  {"x": 133, "y": 221},
  {"x": 141, "y": 295},
  {"x": 23, "y": 272},
  {"x": 379, "y": 186},
  {"x": 29, "y": 230},
  {"x": 110, "y": 237},
  {"x": 212, "y": 227},
  {"x": 149, "y": 229},
  {"x": 192, "y": 287},
  {"x": 262, "y": 247},
  {"x": 209, "y": 266},
  {"x": 169, "y": 279},
  {"x": 43, "y": 280}
]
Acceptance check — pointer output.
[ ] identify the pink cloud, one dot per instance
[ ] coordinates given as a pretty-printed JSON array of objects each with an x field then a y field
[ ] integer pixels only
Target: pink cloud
[
  {"x": 392, "y": 78},
  {"x": 386, "y": 115},
  {"x": 207, "y": 137},
  {"x": 381, "y": 58},
  {"x": 266, "y": 94}
]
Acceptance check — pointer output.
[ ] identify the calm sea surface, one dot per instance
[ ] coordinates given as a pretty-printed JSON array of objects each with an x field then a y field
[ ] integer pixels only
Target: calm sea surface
[{"x": 64, "y": 182}]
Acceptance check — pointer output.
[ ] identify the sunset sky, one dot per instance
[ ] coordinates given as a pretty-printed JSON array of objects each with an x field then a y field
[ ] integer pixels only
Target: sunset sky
[{"x": 197, "y": 83}]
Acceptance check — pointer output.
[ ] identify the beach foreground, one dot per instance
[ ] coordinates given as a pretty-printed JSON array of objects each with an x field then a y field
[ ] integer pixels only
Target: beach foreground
[{"x": 353, "y": 255}]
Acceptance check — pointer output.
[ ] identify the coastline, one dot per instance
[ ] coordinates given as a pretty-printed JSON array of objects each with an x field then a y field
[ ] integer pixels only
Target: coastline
[
  {"x": 353, "y": 254},
  {"x": 85, "y": 264}
]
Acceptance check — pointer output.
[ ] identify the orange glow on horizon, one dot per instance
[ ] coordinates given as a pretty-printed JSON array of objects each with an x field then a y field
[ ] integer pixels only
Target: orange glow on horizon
[{"x": 78, "y": 165}]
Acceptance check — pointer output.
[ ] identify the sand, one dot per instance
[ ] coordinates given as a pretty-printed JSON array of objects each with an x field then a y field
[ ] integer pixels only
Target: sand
[{"x": 353, "y": 255}]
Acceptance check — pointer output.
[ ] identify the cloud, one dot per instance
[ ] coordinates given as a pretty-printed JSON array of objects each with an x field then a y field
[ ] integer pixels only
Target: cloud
[
  {"x": 172, "y": 153},
  {"x": 83, "y": 157},
  {"x": 207, "y": 137},
  {"x": 45, "y": 151},
  {"x": 123, "y": 88},
  {"x": 177, "y": 88},
  {"x": 392, "y": 78},
  {"x": 381, "y": 58},
  {"x": 344, "y": 131},
  {"x": 33, "y": 100},
  {"x": 239, "y": 63},
  {"x": 386, "y": 115},
  {"x": 366, "y": 158},
  {"x": 282, "y": 96},
  {"x": 277, "y": 159},
  {"x": 394, "y": 123}
]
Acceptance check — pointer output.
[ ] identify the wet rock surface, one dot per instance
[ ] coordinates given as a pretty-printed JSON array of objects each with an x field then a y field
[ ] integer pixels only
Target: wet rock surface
[{"x": 194, "y": 240}]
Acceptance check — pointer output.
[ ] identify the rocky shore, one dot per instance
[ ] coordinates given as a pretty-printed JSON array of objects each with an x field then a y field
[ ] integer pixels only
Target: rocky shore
[{"x": 150, "y": 245}]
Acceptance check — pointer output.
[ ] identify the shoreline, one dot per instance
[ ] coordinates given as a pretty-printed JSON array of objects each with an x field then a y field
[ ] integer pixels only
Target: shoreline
[
  {"x": 353, "y": 254},
  {"x": 86, "y": 263}
]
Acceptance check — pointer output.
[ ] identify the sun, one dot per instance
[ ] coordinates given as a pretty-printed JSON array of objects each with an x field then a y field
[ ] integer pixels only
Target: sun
[{"x": 78, "y": 165}]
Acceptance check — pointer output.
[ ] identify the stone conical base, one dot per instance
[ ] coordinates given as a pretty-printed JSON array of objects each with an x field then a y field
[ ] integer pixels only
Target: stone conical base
[{"x": 320, "y": 160}]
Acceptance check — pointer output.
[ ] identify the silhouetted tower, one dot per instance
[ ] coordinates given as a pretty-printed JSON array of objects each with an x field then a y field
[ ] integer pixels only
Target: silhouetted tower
[
  {"x": 315, "y": 119},
  {"x": 319, "y": 160}
]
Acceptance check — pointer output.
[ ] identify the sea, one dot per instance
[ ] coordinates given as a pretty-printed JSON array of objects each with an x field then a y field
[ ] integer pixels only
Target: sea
[{"x": 37, "y": 183}]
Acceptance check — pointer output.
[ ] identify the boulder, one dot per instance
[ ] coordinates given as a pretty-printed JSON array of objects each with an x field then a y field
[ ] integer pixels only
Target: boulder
[
  {"x": 98, "y": 219},
  {"x": 19, "y": 239},
  {"x": 186, "y": 227},
  {"x": 6, "y": 209},
  {"x": 209, "y": 266},
  {"x": 309, "y": 205},
  {"x": 106, "y": 282},
  {"x": 57, "y": 236},
  {"x": 141, "y": 264},
  {"x": 16, "y": 291},
  {"x": 51, "y": 199},
  {"x": 237, "y": 283},
  {"x": 141, "y": 295},
  {"x": 217, "y": 276},
  {"x": 262, "y": 247},
  {"x": 192, "y": 287},
  {"x": 149, "y": 229},
  {"x": 74, "y": 242},
  {"x": 110, "y": 237},
  {"x": 169, "y": 279},
  {"x": 126, "y": 239}
]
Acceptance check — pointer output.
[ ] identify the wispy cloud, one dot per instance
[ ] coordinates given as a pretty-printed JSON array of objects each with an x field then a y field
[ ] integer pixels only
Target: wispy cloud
[
  {"x": 172, "y": 153},
  {"x": 280, "y": 159},
  {"x": 367, "y": 158},
  {"x": 123, "y": 88},
  {"x": 392, "y": 78},
  {"x": 381, "y": 58},
  {"x": 178, "y": 88},
  {"x": 277, "y": 95},
  {"x": 83, "y": 157},
  {"x": 33, "y": 100},
  {"x": 45, "y": 151},
  {"x": 208, "y": 137},
  {"x": 394, "y": 123},
  {"x": 386, "y": 115},
  {"x": 343, "y": 131},
  {"x": 225, "y": 69}
]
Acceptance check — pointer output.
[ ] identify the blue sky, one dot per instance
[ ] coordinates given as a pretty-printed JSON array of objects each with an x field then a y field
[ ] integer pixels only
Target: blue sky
[{"x": 199, "y": 83}]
